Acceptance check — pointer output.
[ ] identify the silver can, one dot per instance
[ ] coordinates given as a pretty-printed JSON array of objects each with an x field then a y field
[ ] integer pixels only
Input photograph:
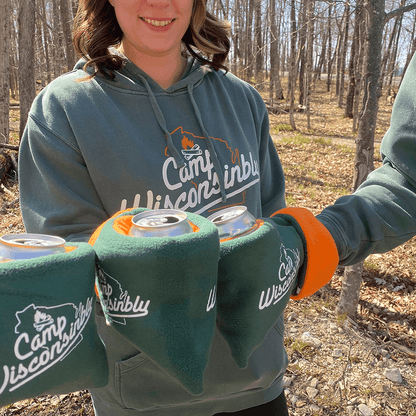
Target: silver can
[
  {"x": 160, "y": 223},
  {"x": 28, "y": 246},
  {"x": 234, "y": 222}
]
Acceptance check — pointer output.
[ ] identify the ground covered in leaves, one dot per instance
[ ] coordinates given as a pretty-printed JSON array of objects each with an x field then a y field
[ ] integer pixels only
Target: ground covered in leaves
[{"x": 338, "y": 365}]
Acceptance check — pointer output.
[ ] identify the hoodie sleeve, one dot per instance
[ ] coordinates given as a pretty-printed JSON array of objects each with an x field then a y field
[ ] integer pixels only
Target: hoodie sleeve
[
  {"x": 57, "y": 195},
  {"x": 381, "y": 214}
]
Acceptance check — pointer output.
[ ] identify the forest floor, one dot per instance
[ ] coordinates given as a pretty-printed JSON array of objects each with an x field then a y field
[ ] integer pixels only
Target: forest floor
[{"x": 338, "y": 366}]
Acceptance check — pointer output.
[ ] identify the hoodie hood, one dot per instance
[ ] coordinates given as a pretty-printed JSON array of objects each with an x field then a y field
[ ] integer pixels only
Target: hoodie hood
[{"x": 131, "y": 77}]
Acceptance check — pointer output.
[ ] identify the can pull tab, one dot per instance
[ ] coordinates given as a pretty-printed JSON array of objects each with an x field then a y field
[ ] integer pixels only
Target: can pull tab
[
  {"x": 156, "y": 221},
  {"x": 33, "y": 242}
]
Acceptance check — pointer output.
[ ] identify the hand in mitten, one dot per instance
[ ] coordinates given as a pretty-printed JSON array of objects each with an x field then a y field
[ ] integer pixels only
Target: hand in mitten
[
  {"x": 321, "y": 254},
  {"x": 49, "y": 341},
  {"x": 289, "y": 255},
  {"x": 159, "y": 292}
]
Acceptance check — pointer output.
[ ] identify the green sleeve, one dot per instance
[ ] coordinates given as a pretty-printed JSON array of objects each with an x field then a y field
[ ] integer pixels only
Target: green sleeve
[
  {"x": 381, "y": 214},
  {"x": 57, "y": 195}
]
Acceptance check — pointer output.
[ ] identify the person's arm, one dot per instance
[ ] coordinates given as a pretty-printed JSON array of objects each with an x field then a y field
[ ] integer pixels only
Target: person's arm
[
  {"x": 381, "y": 214},
  {"x": 57, "y": 195}
]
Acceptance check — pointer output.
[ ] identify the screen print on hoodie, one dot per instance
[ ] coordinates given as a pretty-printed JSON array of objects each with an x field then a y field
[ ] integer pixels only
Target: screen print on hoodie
[{"x": 197, "y": 181}]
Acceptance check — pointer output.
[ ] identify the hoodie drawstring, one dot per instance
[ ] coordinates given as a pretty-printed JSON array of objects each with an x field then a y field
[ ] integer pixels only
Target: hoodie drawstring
[
  {"x": 211, "y": 148},
  {"x": 162, "y": 123},
  {"x": 171, "y": 146}
]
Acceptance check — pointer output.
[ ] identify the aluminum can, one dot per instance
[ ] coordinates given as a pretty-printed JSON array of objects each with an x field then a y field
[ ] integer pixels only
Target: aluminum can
[
  {"x": 28, "y": 246},
  {"x": 160, "y": 223},
  {"x": 234, "y": 222}
]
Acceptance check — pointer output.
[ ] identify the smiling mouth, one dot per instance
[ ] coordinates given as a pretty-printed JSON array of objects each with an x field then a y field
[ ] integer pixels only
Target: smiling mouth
[{"x": 158, "y": 23}]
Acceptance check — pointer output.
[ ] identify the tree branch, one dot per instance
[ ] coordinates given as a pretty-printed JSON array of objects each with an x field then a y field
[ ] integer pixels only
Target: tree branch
[
  {"x": 9, "y": 146},
  {"x": 399, "y": 11}
]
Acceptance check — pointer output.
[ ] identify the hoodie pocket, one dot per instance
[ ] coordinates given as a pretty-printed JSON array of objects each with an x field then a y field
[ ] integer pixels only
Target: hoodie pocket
[{"x": 142, "y": 385}]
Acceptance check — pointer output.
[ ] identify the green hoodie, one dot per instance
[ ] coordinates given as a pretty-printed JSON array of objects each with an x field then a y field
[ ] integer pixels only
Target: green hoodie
[{"x": 92, "y": 148}]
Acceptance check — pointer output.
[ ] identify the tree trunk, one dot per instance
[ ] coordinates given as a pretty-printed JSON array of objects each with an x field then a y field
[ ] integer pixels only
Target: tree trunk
[
  {"x": 46, "y": 42},
  {"x": 258, "y": 72},
  {"x": 5, "y": 8},
  {"x": 248, "y": 61},
  {"x": 412, "y": 49},
  {"x": 364, "y": 156},
  {"x": 57, "y": 44},
  {"x": 66, "y": 27},
  {"x": 14, "y": 83},
  {"x": 318, "y": 70},
  {"x": 302, "y": 48},
  {"x": 292, "y": 69},
  {"x": 329, "y": 59},
  {"x": 349, "y": 105},
  {"x": 309, "y": 58},
  {"x": 343, "y": 57},
  {"x": 392, "y": 65},
  {"x": 359, "y": 70},
  {"x": 387, "y": 55},
  {"x": 27, "y": 89},
  {"x": 275, "y": 84},
  {"x": 350, "y": 293}
]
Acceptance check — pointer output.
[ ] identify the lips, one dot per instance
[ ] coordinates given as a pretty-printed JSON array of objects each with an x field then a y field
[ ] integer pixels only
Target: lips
[{"x": 157, "y": 23}]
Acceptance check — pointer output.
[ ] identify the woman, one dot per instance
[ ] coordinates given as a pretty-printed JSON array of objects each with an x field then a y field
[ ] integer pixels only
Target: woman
[
  {"x": 149, "y": 118},
  {"x": 155, "y": 122}
]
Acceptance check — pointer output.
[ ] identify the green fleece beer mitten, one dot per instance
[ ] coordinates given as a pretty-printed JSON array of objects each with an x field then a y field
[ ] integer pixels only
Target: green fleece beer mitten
[
  {"x": 160, "y": 292},
  {"x": 260, "y": 271},
  {"x": 49, "y": 341},
  {"x": 256, "y": 276}
]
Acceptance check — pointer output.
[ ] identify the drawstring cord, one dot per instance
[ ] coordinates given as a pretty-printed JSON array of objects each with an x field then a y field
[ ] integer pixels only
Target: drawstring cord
[
  {"x": 214, "y": 155},
  {"x": 171, "y": 146},
  {"x": 162, "y": 123}
]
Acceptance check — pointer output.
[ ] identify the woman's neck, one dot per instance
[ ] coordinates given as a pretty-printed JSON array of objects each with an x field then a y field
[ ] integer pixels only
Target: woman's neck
[{"x": 165, "y": 70}]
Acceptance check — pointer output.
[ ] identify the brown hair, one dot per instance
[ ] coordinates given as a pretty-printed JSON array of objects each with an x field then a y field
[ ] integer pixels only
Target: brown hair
[{"x": 96, "y": 29}]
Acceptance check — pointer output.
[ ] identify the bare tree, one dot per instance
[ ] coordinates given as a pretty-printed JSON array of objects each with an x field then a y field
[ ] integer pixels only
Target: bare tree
[
  {"x": 258, "y": 52},
  {"x": 27, "y": 88},
  {"x": 66, "y": 26},
  {"x": 248, "y": 58},
  {"x": 275, "y": 88},
  {"x": 342, "y": 53},
  {"x": 292, "y": 65},
  {"x": 309, "y": 59},
  {"x": 352, "y": 68},
  {"x": 330, "y": 58},
  {"x": 5, "y": 7},
  {"x": 302, "y": 48}
]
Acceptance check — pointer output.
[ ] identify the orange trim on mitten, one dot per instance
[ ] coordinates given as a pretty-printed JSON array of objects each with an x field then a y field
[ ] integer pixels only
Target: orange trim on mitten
[
  {"x": 68, "y": 249},
  {"x": 321, "y": 251},
  {"x": 97, "y": 232},
  {"x": 123, "y": 224}
]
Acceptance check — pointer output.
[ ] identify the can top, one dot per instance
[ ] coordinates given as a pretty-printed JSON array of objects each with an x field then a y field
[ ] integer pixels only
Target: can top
[
  {"x": 160, "y": 223},
  {"x": 32, "y": 241},
  {"x": 233, "y": 221},
  {"x": 163, "y": 218}
]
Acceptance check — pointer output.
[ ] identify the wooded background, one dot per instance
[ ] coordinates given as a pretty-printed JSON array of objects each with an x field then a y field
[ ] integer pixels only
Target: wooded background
[{"x": 359, "y": 48}]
